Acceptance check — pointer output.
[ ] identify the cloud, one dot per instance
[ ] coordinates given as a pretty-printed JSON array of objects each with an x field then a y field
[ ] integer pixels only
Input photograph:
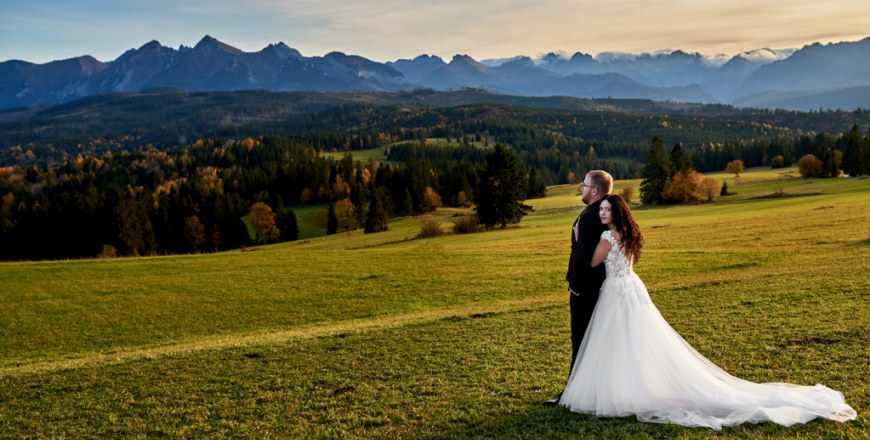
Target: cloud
[{"x": 390, "y": 29}]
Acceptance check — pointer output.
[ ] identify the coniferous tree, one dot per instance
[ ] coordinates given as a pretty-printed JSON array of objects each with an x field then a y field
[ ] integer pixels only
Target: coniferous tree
[
  {"x": 331, "y": 220},
  {"x": 234, "y": 233},
  {"x": 655, "y": 173},
  {"x": 502, "y": 189},
  {"x": 288, "y": 225},
  {"x": 856, "y": 156},
  {"x": 376, "y": 217},
  {"x": 536, "y": 186},
  {"x": 133, "y": 224},
  {"x": 407, "y": 203},
  {"x": 681, "y": 159},
  {"x": 194, "y": 233},
  {"x": 830, "y": 158}
]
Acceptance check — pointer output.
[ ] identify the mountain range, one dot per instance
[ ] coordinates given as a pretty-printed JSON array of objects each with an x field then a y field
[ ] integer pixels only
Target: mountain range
[{"x": 816, "y": 76}]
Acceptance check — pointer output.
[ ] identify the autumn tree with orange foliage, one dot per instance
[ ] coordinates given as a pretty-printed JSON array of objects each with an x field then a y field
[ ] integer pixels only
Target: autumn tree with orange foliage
[
  {"x": 263, "y": 224},
  {"x": 194, "y": 233},
  {"x": 307, "y": 197},
  {"x": 810, "y": 166},
  {"x": 431, "y": 200},
  {"x": 735, "y": 167},
  {"x": 683, "y": 187},
  {"x": 345, "y": 213},
  {"x": 710, "y": 189}
]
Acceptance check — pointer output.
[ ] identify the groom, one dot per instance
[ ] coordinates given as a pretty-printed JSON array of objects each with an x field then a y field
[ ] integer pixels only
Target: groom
[{"x": 584, "y": 281}]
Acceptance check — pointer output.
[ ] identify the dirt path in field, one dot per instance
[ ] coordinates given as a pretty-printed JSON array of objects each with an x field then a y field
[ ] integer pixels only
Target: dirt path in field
[{"x": 281, "y": 335}]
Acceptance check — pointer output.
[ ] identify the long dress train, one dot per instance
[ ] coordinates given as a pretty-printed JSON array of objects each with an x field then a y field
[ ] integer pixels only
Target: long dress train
[{"x": 633, "y": 362}]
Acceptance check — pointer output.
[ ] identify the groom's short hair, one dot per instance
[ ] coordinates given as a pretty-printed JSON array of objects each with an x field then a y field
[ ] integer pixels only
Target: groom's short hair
[{"x": 601, "y": 180}]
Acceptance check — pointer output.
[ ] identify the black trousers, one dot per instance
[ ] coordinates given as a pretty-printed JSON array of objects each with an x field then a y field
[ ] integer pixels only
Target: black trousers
[{"x": 582, "y": 307}]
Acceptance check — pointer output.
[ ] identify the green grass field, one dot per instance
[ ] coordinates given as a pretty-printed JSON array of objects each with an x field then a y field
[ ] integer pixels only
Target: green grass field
[
  {"x": 460, "y": 336},
  {"x": 378, "y": 154},
  {"x": 372, "y": 154},
  {"x": 306, "y": 218}
]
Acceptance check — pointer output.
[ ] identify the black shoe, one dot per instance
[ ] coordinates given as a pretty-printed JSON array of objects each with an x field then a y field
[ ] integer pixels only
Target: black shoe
[{"x": 554, "y": 402}]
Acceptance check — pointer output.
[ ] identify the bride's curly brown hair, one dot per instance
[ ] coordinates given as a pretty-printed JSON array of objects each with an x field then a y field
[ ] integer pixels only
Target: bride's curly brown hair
[{"x": 629, "y": 233}]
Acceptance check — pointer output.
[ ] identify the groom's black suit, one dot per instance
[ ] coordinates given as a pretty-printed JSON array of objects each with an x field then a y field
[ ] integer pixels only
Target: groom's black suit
[{"x": 583, "y": 279}]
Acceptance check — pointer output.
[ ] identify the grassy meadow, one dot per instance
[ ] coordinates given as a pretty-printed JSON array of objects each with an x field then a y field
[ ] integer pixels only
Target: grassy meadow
[
  {"x": 459, "y": 336},
  {"x": 372, "y": 154},
  {"x": 378, "y": 154}
]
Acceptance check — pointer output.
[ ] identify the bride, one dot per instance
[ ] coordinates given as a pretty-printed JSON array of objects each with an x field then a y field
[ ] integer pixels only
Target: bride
[{"x": 632, "y": 362}]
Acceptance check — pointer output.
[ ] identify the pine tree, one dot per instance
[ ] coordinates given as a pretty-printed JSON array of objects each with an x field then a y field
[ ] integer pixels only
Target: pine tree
[
  {"x": 502, "y": 189},
  {"x": 536, "y": 186},
  {"x": 288, "y": 225},
  {"x": 831, "y": 158},
  {"x": 656, "y": 172},
  {"x": 194, "y": 233},
  {"x": 331, "y": 220},
  {"x": 856, "y": 157},
  {"x": 408, "y": 203},
  {"x": 134, "y": 229},
  {"x": 681, "y": 159},
  {"x": 376, "y": 217}
]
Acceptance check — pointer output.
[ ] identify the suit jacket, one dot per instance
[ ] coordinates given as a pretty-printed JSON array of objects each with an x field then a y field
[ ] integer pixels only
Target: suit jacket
[{"x": 581, "y": 277}]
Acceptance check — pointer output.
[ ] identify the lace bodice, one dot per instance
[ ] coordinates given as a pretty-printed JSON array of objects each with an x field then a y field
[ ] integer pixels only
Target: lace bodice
[{"x": 615, "y": 262}]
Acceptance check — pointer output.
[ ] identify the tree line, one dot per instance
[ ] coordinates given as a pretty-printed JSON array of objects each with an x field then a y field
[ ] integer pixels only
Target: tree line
[
  {"x": 672, "y": 177},
  {"x": 60, "y": 198},
  {"x": 220, "y": 194},
  {"x": 553, "y": 141}
]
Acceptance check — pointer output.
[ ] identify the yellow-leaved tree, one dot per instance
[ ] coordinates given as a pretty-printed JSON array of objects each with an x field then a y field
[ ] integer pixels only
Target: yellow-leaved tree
[{"x": 263, "y": 225}]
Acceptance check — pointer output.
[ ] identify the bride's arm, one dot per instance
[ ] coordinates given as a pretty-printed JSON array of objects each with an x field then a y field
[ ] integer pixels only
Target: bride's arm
[{"x": 600, "y": 252}]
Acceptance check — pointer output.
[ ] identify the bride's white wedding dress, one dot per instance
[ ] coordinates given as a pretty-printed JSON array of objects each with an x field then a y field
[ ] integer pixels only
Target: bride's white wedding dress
[{"x": 632, "y": 362}]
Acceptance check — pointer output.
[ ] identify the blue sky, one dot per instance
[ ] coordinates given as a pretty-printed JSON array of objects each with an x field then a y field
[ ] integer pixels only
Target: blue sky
[{"x": 385, "y": 30}]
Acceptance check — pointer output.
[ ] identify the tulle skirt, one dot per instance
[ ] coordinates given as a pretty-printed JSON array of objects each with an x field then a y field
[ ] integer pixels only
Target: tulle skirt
[{"x": 631, "y": 362}]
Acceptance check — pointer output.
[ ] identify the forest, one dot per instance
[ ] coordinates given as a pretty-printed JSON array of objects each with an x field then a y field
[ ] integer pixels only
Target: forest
[{"x": 167, "y": 173}]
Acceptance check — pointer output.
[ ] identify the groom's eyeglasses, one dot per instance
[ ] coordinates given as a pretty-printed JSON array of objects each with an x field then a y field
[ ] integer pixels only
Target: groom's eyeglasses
[{"x": 583, "y": 185}]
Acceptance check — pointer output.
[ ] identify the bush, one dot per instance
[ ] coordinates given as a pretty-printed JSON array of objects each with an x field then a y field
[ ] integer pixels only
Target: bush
[
  {"x": 431, "y": 200},
  {"x": 430, "y": 227},
  {"x": 709, "y": 189},
  {"x": 683, "y": 187},
  {"x": 108, "y": 251},
  {"x": 777, "y": 162},
  {"x": 466, "y": 224},
  {"x": 628, "y": 193},
  {"x": 462, "y": 199},
  {"x": 307, "y": 197},
  {"x": 810, "y": 166}
]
